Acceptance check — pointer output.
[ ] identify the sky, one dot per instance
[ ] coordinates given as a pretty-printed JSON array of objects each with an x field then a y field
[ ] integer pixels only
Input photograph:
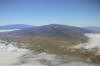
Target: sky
[{"x": 43, "y": 12}]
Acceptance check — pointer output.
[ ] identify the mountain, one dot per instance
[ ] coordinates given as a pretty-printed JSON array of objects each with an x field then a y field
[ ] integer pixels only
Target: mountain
[
  {"x": 93, "y": 28},
  {"x": 53, "y": 38},
  {"x": 53, "y": 30},
  {"x": 14, "y": 26}
]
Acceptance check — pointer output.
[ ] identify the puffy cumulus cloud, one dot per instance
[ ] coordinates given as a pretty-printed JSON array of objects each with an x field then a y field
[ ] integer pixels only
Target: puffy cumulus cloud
[
  {"x": 10, "y": 54},
  {"x": 93, "y": 42}
]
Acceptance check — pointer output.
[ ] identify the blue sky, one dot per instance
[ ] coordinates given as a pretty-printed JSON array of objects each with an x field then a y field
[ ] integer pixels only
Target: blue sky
[{"x": 43, "y": 12}]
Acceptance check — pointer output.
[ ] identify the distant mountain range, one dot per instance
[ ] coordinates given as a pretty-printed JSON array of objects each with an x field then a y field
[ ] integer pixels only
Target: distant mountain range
[
  {"x": 93, "y": 28},
  {"x": 14, "y": 26}
]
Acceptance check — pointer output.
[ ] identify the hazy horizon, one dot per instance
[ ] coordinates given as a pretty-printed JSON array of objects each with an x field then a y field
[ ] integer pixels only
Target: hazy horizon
[
  {"x": 42, "y": 12},
  {"x": 50, "y": 24}
]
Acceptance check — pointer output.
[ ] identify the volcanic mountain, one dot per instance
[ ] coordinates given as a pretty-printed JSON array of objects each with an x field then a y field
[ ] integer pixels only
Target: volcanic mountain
[{"x": 51, "y": 38}]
